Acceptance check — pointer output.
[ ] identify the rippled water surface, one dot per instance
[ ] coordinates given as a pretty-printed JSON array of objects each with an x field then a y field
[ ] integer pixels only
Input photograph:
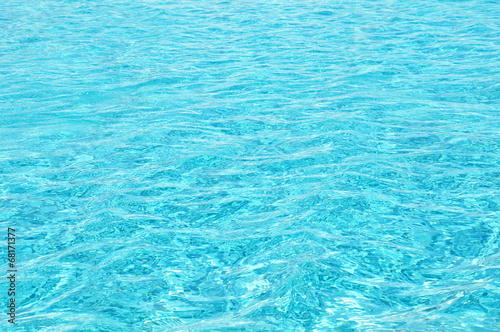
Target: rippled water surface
[{"x": 252, "y": 165}]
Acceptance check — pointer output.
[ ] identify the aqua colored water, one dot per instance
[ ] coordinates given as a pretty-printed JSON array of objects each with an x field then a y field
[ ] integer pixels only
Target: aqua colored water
[{"x": 251, "y": 165}]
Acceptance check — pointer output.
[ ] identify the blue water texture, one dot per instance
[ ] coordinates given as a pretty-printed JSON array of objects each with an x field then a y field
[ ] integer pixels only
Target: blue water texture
[{"x": 263, "y": 165}]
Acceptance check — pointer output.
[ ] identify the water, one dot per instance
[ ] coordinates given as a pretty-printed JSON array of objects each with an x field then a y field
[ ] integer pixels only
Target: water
[{"x": 251, "y": 165}]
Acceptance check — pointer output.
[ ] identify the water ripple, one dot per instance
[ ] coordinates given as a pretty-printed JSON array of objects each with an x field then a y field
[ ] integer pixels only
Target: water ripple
[{"x": 252, "y": 166}]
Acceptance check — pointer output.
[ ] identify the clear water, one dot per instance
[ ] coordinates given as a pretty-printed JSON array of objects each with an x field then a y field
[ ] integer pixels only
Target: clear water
[{"x": 252, "y": 165}]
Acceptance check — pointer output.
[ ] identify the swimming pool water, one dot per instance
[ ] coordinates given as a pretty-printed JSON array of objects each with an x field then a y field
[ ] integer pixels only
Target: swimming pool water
[{"x": 251, "y": 165}]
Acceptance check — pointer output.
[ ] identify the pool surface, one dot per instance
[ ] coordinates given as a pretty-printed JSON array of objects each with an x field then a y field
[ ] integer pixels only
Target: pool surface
[{"x": 253, "y": 165}]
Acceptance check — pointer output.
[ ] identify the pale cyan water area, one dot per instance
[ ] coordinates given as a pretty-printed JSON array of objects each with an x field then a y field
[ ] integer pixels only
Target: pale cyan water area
[{"x": 251, "y": 165}]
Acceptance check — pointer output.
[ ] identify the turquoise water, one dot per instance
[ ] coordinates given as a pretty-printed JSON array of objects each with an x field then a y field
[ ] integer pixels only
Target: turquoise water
[{"x": 251, "y": 165}]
